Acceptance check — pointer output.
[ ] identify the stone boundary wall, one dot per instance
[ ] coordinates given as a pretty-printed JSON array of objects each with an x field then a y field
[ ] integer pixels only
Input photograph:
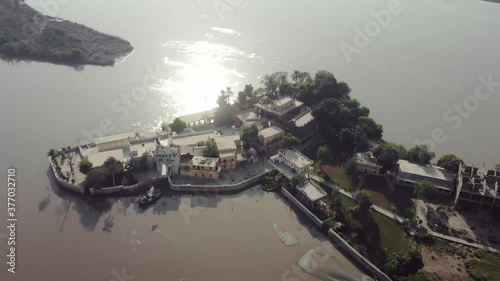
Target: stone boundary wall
[
  {"x": 220, "y": 188},
  {"x": 299, "y": 205},
  {"x": 357, "y": 256},
  {"x": 63, "y": 183}
]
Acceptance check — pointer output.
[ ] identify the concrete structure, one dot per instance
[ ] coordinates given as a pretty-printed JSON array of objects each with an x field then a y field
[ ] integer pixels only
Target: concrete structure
[
  {"x": 198, "y": 166},
  {"x": 302, "y": 125},
  {"x": 409, "y": 174},
  {"x": 199, "y": 118},
  {"x": 247, "y": 118},
  {"x": 168, "y": 155},
  {"x": 117, "y": 141},
  {"x": 367, "y": 163},
  {"x": 231, "y": 151},
  {"x": 271, "y": 137},
  {"x": 311, "y": 193},
  {"x": 478, "y": 186},
  {"x": 278, "y": 111},
  {"x": 252, "y": 155},
  {"x": 291, "y": 162}
]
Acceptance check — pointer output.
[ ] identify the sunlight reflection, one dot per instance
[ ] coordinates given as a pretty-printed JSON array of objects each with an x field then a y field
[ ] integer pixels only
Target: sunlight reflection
[{"x": 202, "y": 73}]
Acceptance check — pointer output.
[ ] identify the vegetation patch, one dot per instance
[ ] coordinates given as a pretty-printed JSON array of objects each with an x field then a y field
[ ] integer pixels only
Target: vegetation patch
[{"x": 485, "y": 267}]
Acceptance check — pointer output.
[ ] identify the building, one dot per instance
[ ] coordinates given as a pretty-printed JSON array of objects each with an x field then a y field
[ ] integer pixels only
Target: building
[
  {"x": 231, "y": 151},
  {"x": 479, "y": 187},
  {"x": 278, "y": 111},
  {"x": 311, "y": 193},
  {"x": 169, "y": 155},
  {"x": 247, "y": 118},
  {"x": 271, "y": 137},
  {"x": 302, "y": 125},
  {"x": 367, "y": 163},
  {"x": 410, "y": 174},
  {"x": 201, "y": 167},
  {"x": 290, "y": 162}
]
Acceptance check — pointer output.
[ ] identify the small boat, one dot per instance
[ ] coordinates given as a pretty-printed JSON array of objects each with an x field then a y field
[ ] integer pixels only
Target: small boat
[{"x": 150, "y": 197}]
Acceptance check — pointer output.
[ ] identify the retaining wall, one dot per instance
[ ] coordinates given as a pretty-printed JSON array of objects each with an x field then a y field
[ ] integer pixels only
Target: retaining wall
[
  {"x": 357, "y": 256},
  {"x": 219, "y": 188},
  {"x": 303, "y": 208},
  {"x": 64, "y": 183}
]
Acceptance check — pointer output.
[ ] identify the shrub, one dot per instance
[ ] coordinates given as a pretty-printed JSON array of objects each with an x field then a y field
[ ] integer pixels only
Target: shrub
[{"x": 85, "y": 166}]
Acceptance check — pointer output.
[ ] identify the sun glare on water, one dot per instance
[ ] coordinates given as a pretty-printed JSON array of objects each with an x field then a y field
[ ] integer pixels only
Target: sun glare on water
[{"x": 203, "y": 70}]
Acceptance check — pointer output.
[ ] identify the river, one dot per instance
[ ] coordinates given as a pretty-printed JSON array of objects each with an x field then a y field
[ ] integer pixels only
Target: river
[{"x": 427, "y": 58}]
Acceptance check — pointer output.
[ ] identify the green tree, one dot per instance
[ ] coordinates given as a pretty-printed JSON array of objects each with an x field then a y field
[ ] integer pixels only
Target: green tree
[
  {"x": 364, "y": 201},
  {"x": 346, "y": 135},
  {"x": 52, "y": 153},
  {"x": 84, "y": 166},
  {"x": 178, "y": 125},
  {"x": 389, "y": 153},
  {"x": 425, "y": 188},
  {"x": 420, "y": 154},
  {"x": 249, "y": 132},
  {"x": 360, "y": 138},
  {"x": 113, "y": 166},
  {"x": 242, "y": 98},
  {"x": 323, "y": 153},
  {"x": 403, "y": 264},
  {"x": 211, "y": 150},
  {"x": 290, "y": 140},
  {"x": 295, "y": 76},
  {"x": 224, "y": 114},
  {"x": 370, "y": 127},
  {"x": 450, "y": 162},
  {"x": 143, "y": 164},
  {"x": 95, "y": 179},
  {"x": 297, "y": 180},
  {"x": 497, "y": 166}
]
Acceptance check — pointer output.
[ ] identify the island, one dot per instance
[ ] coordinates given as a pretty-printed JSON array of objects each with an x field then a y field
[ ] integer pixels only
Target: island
[
  {"x": 27, "y": 34},
  {"x": 397, "y": 213}
]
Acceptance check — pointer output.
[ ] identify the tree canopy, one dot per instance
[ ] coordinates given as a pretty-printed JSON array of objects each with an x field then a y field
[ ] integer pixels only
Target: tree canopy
[
  {"x": 84, "y": 166},
  {"x": 249, "y": 132},
  {"x": 420, "y": 154},
  {"x": 211, "y": 150},
  {"x": 450, "y": 162},
  {"x": 389, "y": 153},
  {"x": 225, "y": 112},
  {"x": 364, "y": 200},
  {"x": 95, "y": 179},
  {"x": 323, "y": 153},
  {"x": 178, "y": 125},
  {"x": 425, "y": 188},
  {"x": 290, "y": 140}
]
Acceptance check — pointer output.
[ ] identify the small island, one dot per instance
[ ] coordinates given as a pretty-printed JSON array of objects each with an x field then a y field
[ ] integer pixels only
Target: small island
[{"x": 27, "y": 34}]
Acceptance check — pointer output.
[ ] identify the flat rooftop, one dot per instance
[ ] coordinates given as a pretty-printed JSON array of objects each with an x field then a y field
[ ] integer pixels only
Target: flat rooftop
[
  {"x": 226, "y": 143},
  {"x": 304, "y": 119},
  {"x": 311, "y": 191},
  {"x": 138, "y": 149},
  {"x": 116, "y": 137},
  {"x": 294, "y": 156},
  {"x": 205, "y": 161},
  {"x": 99, "y": 158},
  {"x": 270, "y": 132},
  {"x": 283, "y": 101},
  {"x": 428, "y": 171}
]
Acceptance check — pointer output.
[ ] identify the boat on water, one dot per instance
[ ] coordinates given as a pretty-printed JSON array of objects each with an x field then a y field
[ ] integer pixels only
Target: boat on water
[{"x": 150, "y": 197}]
